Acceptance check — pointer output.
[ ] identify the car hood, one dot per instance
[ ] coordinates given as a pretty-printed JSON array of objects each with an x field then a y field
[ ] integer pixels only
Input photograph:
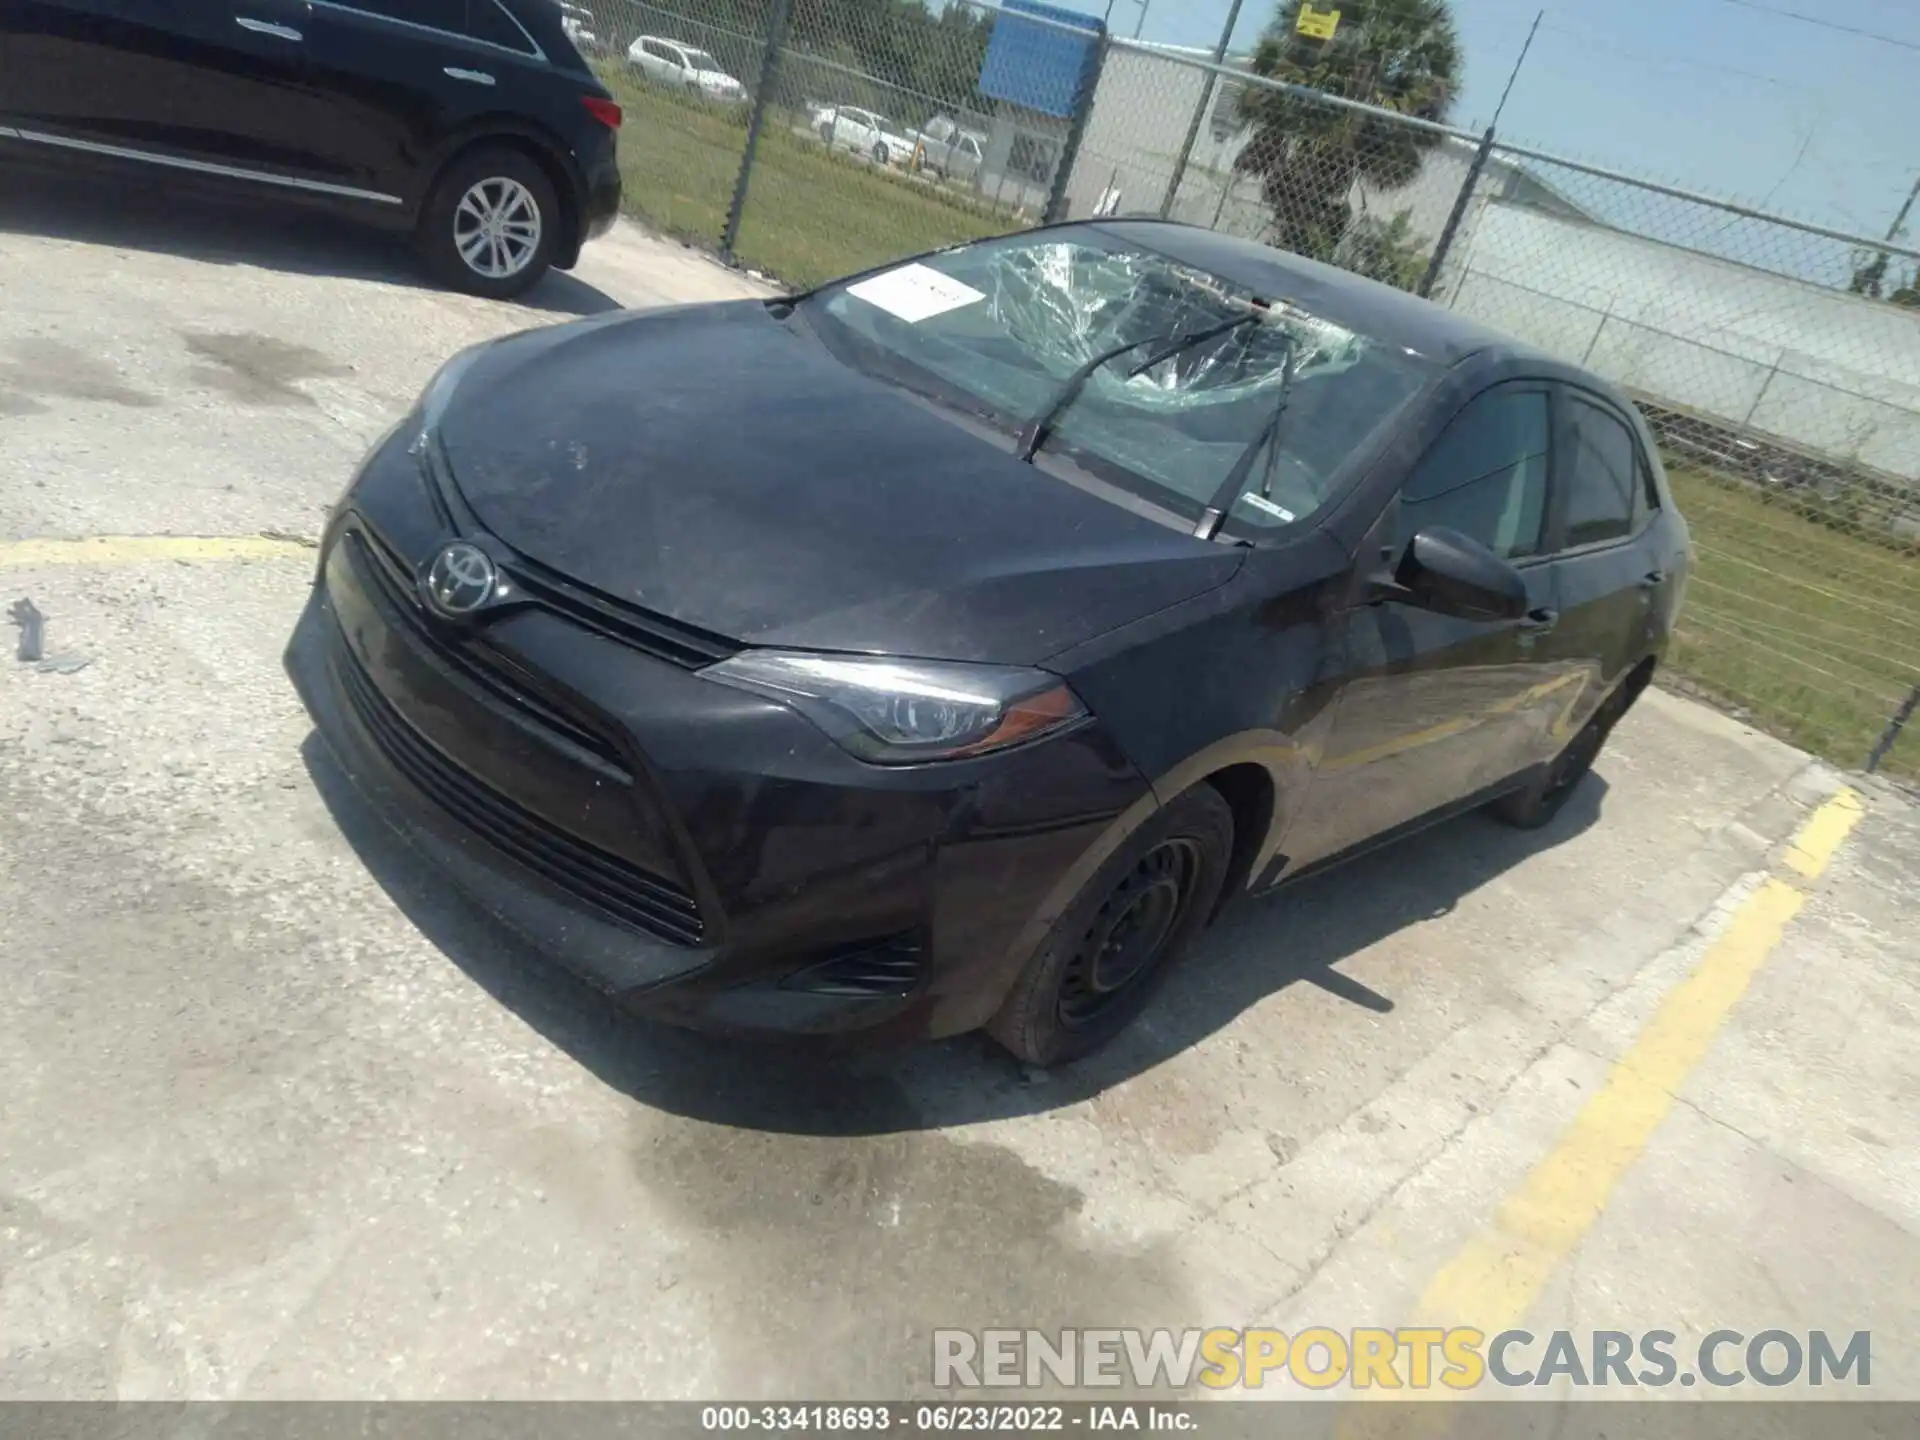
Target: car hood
[{"x": 721, "y": 467}]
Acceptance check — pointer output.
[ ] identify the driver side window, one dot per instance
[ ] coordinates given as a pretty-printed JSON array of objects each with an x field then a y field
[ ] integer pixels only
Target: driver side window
[{"x": 1486, "y": 476}]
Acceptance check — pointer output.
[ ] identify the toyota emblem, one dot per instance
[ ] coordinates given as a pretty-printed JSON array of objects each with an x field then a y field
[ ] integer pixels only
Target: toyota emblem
[{"x": 460, "y": 580}]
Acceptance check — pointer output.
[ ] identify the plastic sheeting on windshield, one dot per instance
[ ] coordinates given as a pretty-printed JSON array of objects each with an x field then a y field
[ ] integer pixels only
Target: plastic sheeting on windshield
[{"x": 1069, "y": 302}]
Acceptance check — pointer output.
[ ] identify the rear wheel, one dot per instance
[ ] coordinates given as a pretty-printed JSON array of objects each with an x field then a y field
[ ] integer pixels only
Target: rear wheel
[
  {"x": 1546, "y": 796},
  {"x": 490, "y": 226},
  {"x": 1122, "y": 934},
  {"x": 879, "y": 153}
]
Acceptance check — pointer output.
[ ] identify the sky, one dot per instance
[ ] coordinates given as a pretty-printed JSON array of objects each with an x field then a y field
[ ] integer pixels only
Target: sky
[{"x": 1710, "y": 95}]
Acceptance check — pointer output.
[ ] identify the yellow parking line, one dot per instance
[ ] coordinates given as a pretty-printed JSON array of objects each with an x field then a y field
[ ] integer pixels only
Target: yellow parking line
[
  {"x": 1496, "y": 1277},
  {"x": 1813, "y": 847},
  {"x": 127, "y": 549}
]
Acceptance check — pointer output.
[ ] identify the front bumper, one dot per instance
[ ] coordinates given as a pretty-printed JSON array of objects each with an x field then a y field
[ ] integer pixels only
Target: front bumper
[{"x": 723, "y": 864}]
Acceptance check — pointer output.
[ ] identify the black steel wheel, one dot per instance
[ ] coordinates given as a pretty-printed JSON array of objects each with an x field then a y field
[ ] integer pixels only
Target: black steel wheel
[
  {"x": 1122, "y": 934},
  {"x": 1536, "y": 804}
]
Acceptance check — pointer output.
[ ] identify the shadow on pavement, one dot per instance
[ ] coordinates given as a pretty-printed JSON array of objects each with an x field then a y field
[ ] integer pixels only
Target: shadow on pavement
[
  {"x": 138, "y": 213},
  {"x": 1256, "y": 949}
]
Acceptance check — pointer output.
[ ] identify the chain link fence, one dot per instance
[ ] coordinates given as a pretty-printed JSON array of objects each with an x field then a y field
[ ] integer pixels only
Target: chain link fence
[
  {"x": 1788, "y": 408},
  {"x": 1778, "y": 362},
  {"x": 806, "y": 139}
]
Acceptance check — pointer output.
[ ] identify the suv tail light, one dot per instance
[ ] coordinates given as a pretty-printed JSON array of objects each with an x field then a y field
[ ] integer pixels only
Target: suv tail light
[{"x": 605, "y": 111}]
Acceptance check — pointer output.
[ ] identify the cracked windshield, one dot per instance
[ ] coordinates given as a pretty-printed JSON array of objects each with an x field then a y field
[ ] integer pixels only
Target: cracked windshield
[{"x": 1000, "y": 328}]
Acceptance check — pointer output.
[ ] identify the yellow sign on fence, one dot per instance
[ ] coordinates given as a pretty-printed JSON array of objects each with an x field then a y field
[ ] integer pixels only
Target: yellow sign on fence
[{"x": 1319, "y": 24}]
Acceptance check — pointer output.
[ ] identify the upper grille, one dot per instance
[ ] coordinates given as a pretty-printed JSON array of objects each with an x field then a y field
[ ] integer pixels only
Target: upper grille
[
  {"x": 657, "y": 635},
  {"x": 647, "y": 902},
  {"x": 664, "y": 639},
  {"x": 477, "y": 661}
]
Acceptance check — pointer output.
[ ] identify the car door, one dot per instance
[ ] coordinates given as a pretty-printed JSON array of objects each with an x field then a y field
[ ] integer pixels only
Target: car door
[
  {"x": 1608, "y": 580},
  {"x": 681, "y": 70},
  {"x": 402, "y": 75},
  {"x": 1433, "y": 709},
  {"x": 967, "y": 163},
  {"x": 200, "y": 84},
  {"x": 858, "y": 130}
]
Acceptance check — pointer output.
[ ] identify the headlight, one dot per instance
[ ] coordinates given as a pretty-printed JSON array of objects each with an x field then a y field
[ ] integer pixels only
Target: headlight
[{"x": 899, "y": 712}]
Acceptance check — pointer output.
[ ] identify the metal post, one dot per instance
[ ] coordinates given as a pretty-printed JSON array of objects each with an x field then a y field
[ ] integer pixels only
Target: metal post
[
  {"x": 1199, "y": 112},
  {"x": 1894, "y": 727},
  {"x": 762, "y": 97},
  {"x": 1445, "y": 242},
  {"x": 1598, "y": 331},
  {"x": 1226, "y": 190},
  {"x": 1090, "y": 71},
  {"x": 1765, "y": 385}
]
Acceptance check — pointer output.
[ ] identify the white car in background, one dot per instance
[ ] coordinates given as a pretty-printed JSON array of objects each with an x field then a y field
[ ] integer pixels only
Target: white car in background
[
  {"x": 864, "y": 132},
  {"x": 577, "y": 21},
  {"x": 685, "y": 67}
]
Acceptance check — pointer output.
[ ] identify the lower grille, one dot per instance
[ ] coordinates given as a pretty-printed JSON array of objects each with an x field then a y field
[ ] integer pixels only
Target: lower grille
[{"x": 625, "y": 892}]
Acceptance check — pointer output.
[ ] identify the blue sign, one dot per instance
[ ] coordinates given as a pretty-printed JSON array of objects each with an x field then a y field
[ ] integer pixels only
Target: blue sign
[{"x": 1038, "y": 66}]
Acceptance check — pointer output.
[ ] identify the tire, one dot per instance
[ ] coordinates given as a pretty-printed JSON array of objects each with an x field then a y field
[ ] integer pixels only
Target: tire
[
  {"x": 879, "y": 153},
  {"x": 1547, "y": 795},
  {"x": 490, "y": 180},
  {"x": 826, "y": 136},
  {"x": 1159, "y": 888}
]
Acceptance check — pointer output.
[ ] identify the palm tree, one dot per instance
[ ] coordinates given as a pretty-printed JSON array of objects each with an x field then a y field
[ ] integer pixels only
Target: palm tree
[{"x": 1398, "y": 55}]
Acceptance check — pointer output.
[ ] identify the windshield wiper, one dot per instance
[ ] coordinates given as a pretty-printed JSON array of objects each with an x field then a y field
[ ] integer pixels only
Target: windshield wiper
[
  {"x": 1041, "y": 426},
  {"x": 1235, "y": 485}
]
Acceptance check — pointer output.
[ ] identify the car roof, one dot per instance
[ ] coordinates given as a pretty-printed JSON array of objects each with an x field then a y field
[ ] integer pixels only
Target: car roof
[{"x": 1349, "y": 300}]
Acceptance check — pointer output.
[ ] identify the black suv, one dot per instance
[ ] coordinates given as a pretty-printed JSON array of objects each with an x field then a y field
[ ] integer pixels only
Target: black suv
[{"x": 475, "y": 124}]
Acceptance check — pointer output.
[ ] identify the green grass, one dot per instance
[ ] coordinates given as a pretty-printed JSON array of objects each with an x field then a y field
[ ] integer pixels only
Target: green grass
[
  {"x": 810, "y": 216},
  {"x": 1814, "y": 632}
]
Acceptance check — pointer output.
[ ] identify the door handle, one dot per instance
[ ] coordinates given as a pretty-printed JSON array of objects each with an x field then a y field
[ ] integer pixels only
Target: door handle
[
  {"x": 1652, "y": 578},
  {"x": 266, "y": 27},
  {"x": 1538, "y": 622},
  {"x": 473, "y": 77}
]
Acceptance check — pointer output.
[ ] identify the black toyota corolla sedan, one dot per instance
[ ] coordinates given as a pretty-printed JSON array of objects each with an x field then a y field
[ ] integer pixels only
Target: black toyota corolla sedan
[{"x": 942, "y": 648}]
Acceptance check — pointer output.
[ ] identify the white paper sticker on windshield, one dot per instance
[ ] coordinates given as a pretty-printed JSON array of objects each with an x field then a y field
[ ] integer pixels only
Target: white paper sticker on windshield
[
  {"x": 1260, "y": 502},
  {"x": 914, "y": 293}
]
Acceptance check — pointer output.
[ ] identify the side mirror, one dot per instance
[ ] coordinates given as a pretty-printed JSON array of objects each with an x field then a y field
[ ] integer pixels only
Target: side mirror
[{"x": 1456, "y": 575}]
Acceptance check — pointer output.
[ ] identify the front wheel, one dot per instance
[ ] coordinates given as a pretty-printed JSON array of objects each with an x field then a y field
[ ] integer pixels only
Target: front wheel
[
  {"x": 1122, "y": 934},
  {"x": 879, "y": 153},
  {"x": 490, "y": 226}
]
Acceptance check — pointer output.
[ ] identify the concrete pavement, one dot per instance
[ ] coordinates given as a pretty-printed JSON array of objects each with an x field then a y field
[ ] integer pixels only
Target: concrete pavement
[{"x": 286, "y": 1119}]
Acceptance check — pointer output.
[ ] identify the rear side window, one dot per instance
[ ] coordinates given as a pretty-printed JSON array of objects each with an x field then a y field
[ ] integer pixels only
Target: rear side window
[
  {"x": 1486, "y": 476},
  {"x": 488, "y": 20},
  {"x": 1604, "y": 475},
  {"x": 1647, "y": 499}
]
